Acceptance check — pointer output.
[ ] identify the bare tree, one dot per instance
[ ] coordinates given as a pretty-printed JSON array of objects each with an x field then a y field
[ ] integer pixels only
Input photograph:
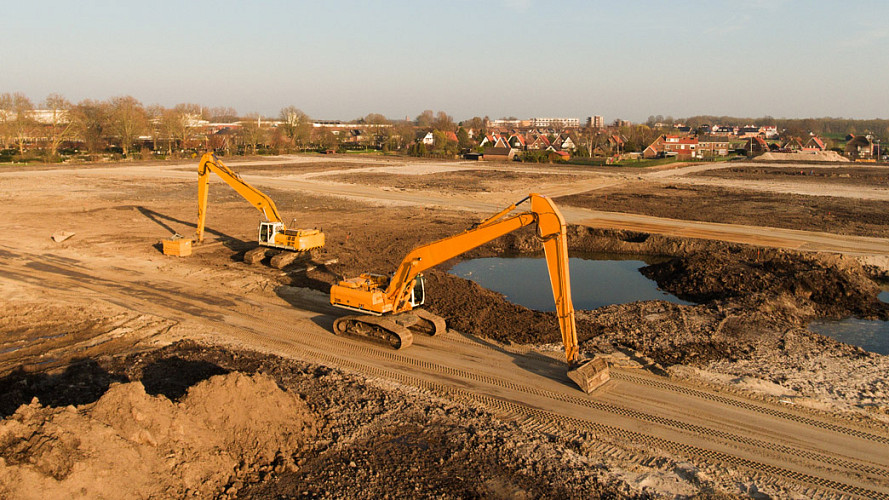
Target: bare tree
[
  {"x": 154, "y": 115},
  {"x": 61, "y": 125},
  {"x": 252, "y": 134},
  {"x": 425, "y": 119},
  {"x": 325, "y": 139},
  {"x": 296, "y": 125},
  {"x": 91, "y": 121},
  {"x": 403, "y": 134},
  {"x": 377, "y": 127},
  {"x": 6, "y": 115},
  {"x": 23, "y": 123},
  {"x": 128, "y": 120},
  {"x": 476, "y": 124},
  {"x": 222, "y": 114},
  {"x": 443, "y": 122},
  {"x": 179, "y": 125}
]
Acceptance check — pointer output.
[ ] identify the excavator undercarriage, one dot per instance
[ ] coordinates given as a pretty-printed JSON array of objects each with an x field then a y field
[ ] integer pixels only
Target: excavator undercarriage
[{"x": 396, "y": 330}]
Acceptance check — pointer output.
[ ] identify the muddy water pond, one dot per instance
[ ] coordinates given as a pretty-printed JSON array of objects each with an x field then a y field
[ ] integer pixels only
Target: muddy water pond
[
  {"x": 597, "y": 280},
  {"x": 870, "y": 335}
]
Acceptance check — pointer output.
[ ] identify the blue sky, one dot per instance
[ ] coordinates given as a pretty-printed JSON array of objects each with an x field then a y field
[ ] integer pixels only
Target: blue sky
[{"x": 344, "y": 59}]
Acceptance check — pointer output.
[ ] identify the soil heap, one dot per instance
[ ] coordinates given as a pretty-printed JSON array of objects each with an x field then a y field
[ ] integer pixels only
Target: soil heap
[{"x": 132, "y": 444}]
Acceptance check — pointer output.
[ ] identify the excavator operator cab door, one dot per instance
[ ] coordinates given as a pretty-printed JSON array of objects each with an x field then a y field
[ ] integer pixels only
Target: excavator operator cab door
[
  {"x": 418, "y": 292},
  {"x": 267, "y": 232}
]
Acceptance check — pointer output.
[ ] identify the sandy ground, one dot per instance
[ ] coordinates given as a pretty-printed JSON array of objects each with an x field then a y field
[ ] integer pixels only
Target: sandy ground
[{"x": 86, "y": 322}]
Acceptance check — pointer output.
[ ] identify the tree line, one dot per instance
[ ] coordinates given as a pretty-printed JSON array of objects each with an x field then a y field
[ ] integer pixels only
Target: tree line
[{"x": 122, "y": 126}]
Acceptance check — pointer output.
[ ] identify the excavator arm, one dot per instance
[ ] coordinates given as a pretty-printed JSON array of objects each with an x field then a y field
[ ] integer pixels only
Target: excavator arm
[
  {"x": 550, "y": 230},
  {"x": 210, "y": 163}
]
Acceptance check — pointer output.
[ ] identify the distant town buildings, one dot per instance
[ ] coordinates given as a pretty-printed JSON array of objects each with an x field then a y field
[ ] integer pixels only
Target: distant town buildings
[
  {"x": 550, "y": 122},
  {"x": 596, "y": 121}
]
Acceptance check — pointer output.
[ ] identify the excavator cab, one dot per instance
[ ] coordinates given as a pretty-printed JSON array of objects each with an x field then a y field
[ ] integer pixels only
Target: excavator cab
[
  {"x": 418, "y": 292},
  {"x": 267, "y": 231}
]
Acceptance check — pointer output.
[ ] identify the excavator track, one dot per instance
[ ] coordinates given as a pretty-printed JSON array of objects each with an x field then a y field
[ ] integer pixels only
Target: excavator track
[
  {"x": 376, "y": 328},
  {"x": 429, "y": 323}
]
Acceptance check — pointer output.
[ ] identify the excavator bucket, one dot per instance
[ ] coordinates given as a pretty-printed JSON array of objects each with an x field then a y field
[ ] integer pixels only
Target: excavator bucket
[{"x": 590, "y": 375}]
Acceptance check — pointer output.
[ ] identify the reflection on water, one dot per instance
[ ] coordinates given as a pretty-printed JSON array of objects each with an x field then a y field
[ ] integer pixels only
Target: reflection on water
[
  {"x": 870, "y": 335},
  {"x": 595, "y": 282}
]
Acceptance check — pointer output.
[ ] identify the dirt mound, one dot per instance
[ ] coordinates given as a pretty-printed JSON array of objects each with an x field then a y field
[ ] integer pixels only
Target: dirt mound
[
  {"x": 802, "y": 156},
  {"x": 131, "y": 444},
  {"x": 831, "y": 286}
]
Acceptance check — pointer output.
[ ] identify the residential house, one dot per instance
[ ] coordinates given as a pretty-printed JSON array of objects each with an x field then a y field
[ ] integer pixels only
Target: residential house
[
  {"x": 769, "y": 131},
  {"x": 748, "y": 131},
  {"x": 499, "y": 154},
  {"x": 428, "y": 139},
  {"x": 566, "y": 144},
  {"x": 711, "y": 146},
  {"x": 683, "y": 147},
  {"x": 502, "y": 142},
  {"x": 723, "y": 130},
  {"x": 792, "y": 144},
  {"x": 815, "y": 144},
  {"x": 517, "y": 141},
  {"x": 616, "y": 143},
  {"x": 655, "y": 149},
  {"x": 860, "y": 147},
  {"x": 756, "y": 146},
  {"x": 539, "y": 142}
]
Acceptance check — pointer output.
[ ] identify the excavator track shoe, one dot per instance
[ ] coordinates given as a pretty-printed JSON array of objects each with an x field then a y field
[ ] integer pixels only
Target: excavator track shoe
[
  {"x": 255, "y": 256},
  {"x": 285, "y": 258},
  {"x": 590, "y": 375},
  {"x": 430, "y": 324},
  {"x": 375, "y": 328}
]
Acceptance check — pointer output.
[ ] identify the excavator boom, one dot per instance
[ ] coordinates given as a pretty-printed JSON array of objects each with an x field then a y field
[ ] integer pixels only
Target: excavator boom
[
  {"x": 210, "y": 163},
  {"x": 272, "y": 232},
  {"x": 403, "y": 292}
]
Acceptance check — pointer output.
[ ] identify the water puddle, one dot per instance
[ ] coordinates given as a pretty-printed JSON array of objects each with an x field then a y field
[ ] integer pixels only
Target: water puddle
[
  {"x": 870, "y": 335},
  {"x": 597, "y": 280}
]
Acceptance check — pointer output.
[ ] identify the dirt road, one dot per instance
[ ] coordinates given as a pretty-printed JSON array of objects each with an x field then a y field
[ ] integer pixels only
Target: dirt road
[{"x": 319, "y": 183}]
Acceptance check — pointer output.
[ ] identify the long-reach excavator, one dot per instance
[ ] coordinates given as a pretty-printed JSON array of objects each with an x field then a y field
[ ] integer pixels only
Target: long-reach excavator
[
  {"x": 389, "y": 303},
  {"x": 272, "y": 232}
]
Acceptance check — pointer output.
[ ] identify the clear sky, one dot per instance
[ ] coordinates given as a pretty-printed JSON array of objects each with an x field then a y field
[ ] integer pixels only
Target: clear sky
[{"x": 344, "y": 59}]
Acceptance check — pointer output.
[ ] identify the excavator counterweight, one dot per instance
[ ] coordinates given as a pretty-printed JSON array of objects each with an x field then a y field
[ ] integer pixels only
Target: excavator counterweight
[{"x": 390, "y": 304}]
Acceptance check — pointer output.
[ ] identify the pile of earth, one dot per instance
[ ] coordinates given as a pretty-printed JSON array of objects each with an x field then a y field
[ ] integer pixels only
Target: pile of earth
[
  {"x": 190, "y": 419},
  {"x": 132, "y": 444},
  {"x": 803, "y": 156}
]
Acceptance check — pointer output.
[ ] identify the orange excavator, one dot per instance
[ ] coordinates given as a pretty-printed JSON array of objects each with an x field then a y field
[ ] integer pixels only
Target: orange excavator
[
  {"x": 389, "y": 304},
  {"x": 272, "y": 232}
]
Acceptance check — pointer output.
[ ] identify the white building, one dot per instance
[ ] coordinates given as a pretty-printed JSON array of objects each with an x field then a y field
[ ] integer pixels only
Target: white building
[
  {"x": 547, "y": 122},
  {"x": 596, "y": 121}
]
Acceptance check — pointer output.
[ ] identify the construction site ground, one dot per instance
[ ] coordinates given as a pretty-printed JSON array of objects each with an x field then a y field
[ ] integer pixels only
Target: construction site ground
[{"x": 124, "y": 372}]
